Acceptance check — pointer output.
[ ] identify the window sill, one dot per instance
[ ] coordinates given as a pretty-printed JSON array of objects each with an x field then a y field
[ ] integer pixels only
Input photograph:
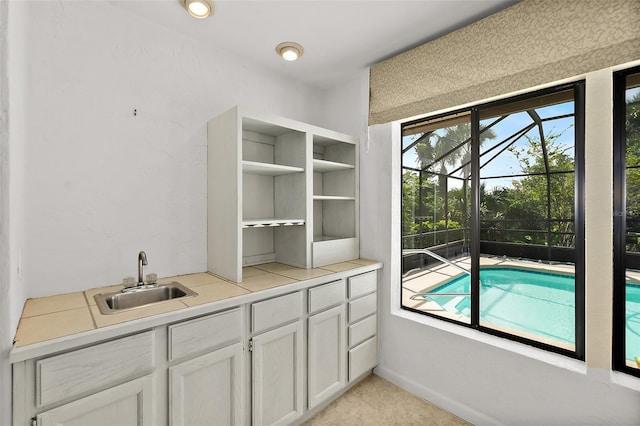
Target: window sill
[
  {"x": 625, "y": 380},
  {"x": 550, "y": 358}
]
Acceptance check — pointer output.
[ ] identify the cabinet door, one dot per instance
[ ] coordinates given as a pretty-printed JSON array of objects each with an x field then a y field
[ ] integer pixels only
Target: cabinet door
[
  {"x": 208, "y": 390},
  {"x": 278, "y": 375},
  {"x": 327, "y": 354},
  {"x": 128, "y": 404}
]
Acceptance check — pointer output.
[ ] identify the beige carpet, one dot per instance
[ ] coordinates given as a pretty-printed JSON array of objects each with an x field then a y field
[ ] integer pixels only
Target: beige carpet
[{"x": 375, "y": 401}]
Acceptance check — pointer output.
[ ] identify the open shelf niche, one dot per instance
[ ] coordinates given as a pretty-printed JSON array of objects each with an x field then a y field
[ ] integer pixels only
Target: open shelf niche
[
  {"x": 277, "y": 188},
  {"x": 335, "y": 207}
]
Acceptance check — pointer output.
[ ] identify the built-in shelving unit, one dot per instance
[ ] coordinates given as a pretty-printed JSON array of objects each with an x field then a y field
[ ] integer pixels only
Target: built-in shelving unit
[{"x": 278, "y": 190}]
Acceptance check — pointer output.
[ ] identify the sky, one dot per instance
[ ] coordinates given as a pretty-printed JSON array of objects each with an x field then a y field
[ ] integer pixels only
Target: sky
[{"x": 506, "y": 163}]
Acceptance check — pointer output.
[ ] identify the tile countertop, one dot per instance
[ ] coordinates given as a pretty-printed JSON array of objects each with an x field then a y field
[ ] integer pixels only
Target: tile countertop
[{"x": 63, "y": 315}]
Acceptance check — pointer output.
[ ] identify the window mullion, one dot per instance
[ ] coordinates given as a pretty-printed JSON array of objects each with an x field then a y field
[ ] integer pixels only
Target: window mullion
[
  {"x": 475, "y": 217},
  {"x": 579, "y": 225},
  {"x": 619, "y": 221}
]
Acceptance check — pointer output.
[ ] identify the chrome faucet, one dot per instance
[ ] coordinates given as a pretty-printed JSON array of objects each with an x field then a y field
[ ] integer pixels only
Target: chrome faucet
[{"x": 142, "y": 261}]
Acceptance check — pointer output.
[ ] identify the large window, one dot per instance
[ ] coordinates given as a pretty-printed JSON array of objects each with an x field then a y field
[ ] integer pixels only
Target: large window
[
  {"x": 626, "y": 310},
  {"x": 492, "y": 218}
]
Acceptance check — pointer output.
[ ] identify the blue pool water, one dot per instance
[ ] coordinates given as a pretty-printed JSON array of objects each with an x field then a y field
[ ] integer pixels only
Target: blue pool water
[{"x": 534, "y": 302}]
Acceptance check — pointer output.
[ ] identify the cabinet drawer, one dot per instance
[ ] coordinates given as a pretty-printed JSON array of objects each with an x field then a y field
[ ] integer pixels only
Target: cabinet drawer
[
  {"x": 362, "y": 330},
  {"x": 274, "y": 312},
  {"x": 326, "y": 296},
  {"x": 362, "y": 307},
  {"x": 201, "y": 334},
  {"x": 363, "y": 284},
  {"x": 130, "y": 403},
  {"x": 74, "y": 373},
  {"x": 362, "y": 358}
]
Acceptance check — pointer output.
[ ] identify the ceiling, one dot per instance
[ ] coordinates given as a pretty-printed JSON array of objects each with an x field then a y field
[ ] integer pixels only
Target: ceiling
[{"x": 340, "y": 37}]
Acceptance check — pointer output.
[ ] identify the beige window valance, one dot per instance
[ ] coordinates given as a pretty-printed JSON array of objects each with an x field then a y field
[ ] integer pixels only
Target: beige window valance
[{"x": 531, "y": 43}]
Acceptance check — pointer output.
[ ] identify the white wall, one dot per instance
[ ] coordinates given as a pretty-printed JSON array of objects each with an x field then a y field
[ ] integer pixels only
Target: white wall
[
  {"x": 13, "y": 131},
  {"x": 5, "y": 302},
  {"x": 346, "y": 106},
  {"x": 18, "y": 69},
  {"x": 485, "y": 379}
]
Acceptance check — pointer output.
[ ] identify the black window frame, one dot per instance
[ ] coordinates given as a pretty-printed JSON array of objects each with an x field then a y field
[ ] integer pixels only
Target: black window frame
[
  {"x": 578, "y": 88},
  {"x": 619, "y": 221}
]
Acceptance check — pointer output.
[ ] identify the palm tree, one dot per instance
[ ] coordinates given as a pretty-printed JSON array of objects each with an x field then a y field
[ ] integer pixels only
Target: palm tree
[
  {"x": 445, "y": 149},
  {"x": 449, "y": 146}
]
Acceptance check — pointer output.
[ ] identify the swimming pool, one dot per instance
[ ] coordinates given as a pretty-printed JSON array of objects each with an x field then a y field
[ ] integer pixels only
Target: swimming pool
[{"x": 539, "y": 303}]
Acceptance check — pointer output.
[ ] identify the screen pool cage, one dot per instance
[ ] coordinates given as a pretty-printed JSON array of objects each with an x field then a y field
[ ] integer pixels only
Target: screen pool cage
[{"x": 526, "y": 177}]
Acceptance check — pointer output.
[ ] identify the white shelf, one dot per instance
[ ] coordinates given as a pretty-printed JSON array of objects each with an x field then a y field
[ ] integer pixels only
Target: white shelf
[
  {"x": 332, "y": 197},
  {"x": 329, "y": 166},
  {"x": 271, "y": 223},
  {"x": 318, "y": 238},
  {"x": 268, "y": 169}
]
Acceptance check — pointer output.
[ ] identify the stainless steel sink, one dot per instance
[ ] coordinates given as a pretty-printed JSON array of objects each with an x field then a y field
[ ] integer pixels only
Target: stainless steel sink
[{"x": 133, "y": 297}]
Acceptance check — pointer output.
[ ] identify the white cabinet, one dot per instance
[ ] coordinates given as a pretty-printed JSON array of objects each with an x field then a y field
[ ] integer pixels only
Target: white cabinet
[
  {"x": 128, "y": 404},
  {"x": 326, "y": 370},
  {"x": 277, "y": 371},
  {"x": 306, "y": 347},
  {"x": 363, "y": 326},
  {"x": 208, "y": 390},
  {"x": 277, "y": 363},
  {"x": 108, "y": 383},
  {"x": 278, "y": 190}
]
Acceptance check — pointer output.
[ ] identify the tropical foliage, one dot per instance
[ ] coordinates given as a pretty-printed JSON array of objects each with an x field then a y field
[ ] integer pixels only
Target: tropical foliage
[
  {"x": 632, "y": 125},
  {"x": 537, "y": 208}
]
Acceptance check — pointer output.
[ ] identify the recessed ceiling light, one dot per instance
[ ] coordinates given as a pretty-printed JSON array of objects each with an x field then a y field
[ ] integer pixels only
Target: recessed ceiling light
[
  {"x": 289, "y": 50},
  {"x": 199, "y": 8}
]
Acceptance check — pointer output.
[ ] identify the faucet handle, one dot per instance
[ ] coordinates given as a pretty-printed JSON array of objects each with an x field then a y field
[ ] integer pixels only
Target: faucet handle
[
  {"x": 151, "y": 278},
  {"x": 128, "y": 282}
]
